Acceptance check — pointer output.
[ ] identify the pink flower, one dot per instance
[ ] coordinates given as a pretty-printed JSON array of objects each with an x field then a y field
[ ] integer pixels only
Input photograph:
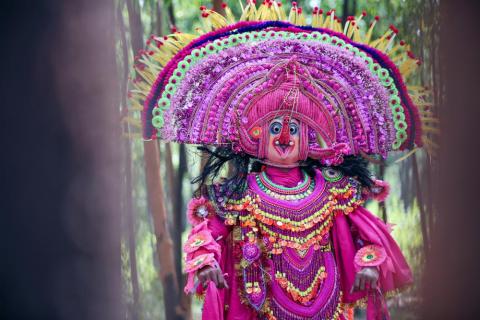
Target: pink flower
[
  {"x": 198, "y": 210},
  {"x": 370, "y": 256}
]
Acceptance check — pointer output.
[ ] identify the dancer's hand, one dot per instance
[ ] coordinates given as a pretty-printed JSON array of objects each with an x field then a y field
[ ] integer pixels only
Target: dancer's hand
[
  {"x": 366, "y": 278},
  {"x": 209, "y": 273}
]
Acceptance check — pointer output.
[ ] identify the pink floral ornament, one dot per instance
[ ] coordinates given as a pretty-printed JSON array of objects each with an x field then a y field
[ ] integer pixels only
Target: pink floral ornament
[
  {"x": 192, "y": 265},
  {"x": 198, "y": 210},
  {"x": 198, "y": 240},
  {"x": 380, "y": 190},
  {"x": 200, "y": 262},
  {"x": 370, "y": 256}
]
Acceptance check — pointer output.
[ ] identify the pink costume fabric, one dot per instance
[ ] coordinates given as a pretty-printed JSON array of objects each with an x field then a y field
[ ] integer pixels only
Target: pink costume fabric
[{"x": 368, "y": 229}]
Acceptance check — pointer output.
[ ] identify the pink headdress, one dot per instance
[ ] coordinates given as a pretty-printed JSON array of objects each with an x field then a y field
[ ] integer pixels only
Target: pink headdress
[
  {"x": 286, "y": 94},
  {"x": 223, "y": 87}
]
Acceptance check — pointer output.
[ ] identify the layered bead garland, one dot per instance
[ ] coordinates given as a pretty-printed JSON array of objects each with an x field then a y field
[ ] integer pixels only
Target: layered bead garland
[
  {"x": 297, "y": 294},
  {"x": 297, "y": 224}
]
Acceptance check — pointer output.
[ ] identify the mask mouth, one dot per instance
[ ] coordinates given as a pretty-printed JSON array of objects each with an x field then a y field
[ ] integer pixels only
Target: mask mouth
[{"x": 282, "y": 148}]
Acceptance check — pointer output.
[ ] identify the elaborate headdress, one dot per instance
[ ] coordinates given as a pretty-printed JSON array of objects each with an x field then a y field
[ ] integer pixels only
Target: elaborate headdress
[{"x": 221, "y": 88}]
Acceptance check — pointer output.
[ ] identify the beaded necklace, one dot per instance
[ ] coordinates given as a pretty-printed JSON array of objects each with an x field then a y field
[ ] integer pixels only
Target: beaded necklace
[{"x": 266, "y": 184}]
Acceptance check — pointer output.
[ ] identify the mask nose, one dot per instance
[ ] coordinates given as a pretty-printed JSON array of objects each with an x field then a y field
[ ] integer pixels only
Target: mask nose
[{"x": 284, "y": 138}]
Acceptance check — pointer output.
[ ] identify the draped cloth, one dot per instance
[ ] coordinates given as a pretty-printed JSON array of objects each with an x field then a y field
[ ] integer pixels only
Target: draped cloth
[{"x": 394, "y": 272}]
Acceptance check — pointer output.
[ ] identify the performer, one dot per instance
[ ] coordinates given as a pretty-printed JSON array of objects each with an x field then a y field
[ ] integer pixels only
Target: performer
[{"x": 295, "y": 110}]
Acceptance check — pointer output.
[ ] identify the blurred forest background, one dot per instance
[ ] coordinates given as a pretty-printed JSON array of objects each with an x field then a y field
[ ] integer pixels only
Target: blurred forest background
[{"x": 156, "y": 180}]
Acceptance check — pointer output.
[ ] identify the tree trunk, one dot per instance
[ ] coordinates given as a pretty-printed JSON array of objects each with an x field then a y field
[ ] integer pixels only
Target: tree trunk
[
  {"x": 180, "y": 223},
  {"x": 170, "y": 191},
  {"x": 136, "y": 27},
  {"x": 159, "y": 14},
  {"x": 155, "y": 195},
  {"x": 128, "y": 206},
  {"x": 421, "y": 204},
  {"x": 171, "y": 13},
  {"x": 178, "y": 208},
  {"x": 348, "y": 9},
  {"x": 164, "y": 242},
  {"x": 451, "y": 282},
  {"x": 382, "y": 205},
  {"x": 61, "y": 162}
]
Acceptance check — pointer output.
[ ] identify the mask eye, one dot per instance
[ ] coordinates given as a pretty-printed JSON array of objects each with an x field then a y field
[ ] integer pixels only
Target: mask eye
[
  {"x": 275, "y": 128},
  {"x": 293, "y": 128}
]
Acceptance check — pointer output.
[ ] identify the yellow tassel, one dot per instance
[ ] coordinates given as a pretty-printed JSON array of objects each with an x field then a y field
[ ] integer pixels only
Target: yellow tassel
[
  {"x": 352, "y": 26},
  {"x": 163, "y": 56},
  {"x": 316, "y": 21},
  {"x": 419, "y": 89},
  {"x": 430, "y": 143},
  {"x": 132, "y": 121},
  {"x": 230, "y": 16},
  {"x": 331, "y": 20},
  {"x": 406, "y": 156},
  {"x": 147, "y": 76},
  {"x": 429, "y": 129},
  {"x": 250, "y": 12},
  {"x": 301, "y": 19},
  {"x": 292, "y": 16},
  {"x": 357, "y": 37},
  {"x": 267, "y": 13},
  {"x": 135, "y": 105},
  {"x": 280, "y": 11},
  {"x": 326, "y": 21},
  {"x": 260, "y": 12},
  {"x": 356, "y": 31},
  {"x": 368, "y": 36},
  {"x": 395, "y": 50},
  {"x": 216, "y": 20},
  {"x": 407, "y": 67},
  {"x": 241, "y": 7},
  {"x": 387, "y": 44},
  {"x": 199, "y": 31},
  {"x": 134, "y": 136},
  {"x": 397, "y": 59},
  {"x": 338, "y": 26},
  {"x": 320, "y": 19},
  {"x": 346, "y": 28},
  {"x": 429, "y": 119},
  {"x": 377, "y": 42}
]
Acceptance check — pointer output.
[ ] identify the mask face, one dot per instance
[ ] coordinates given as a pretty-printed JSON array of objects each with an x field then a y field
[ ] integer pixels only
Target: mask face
[{"x": 283, "y": 141}]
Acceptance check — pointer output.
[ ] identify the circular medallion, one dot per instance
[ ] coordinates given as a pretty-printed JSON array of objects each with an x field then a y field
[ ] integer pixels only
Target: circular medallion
[
  {"x": 251, "y": 252},
  {"x": 331, "y": 174}
]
